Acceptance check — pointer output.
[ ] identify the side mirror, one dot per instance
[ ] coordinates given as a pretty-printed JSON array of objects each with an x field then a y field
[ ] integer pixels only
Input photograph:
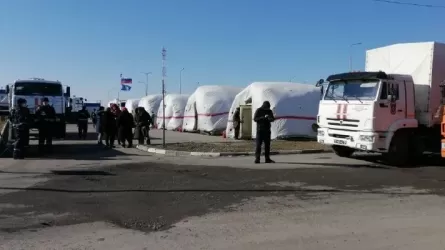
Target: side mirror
[
  {"x": 7, "y": 89},
  {"x": 68, "y": 92},
  {"x": 319, "y": 83},
  {"x": 391, "y": 98}
]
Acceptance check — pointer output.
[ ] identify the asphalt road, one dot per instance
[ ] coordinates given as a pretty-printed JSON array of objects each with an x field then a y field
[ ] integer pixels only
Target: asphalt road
[{"x": 84, "y": 197}]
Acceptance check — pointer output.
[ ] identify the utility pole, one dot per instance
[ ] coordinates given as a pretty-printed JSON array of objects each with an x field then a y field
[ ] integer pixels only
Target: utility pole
[
  {"x": 164, "y": 74},
  {"x": 180, "y": 80},
  {"x": 350, "y": 54},
  {"x": 146, "y": 81}
]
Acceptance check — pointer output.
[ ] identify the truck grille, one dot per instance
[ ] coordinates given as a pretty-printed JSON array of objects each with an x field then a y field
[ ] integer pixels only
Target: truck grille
[{"x": 343, "y": 122}]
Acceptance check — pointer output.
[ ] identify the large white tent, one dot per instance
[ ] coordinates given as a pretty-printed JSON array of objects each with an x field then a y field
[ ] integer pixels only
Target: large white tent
[
  {"x": 208, "y": 107},
  {"x": 295, "y": 107},
  {"x": 174, "y": 111},
  {"x": 151, "y": 103},
  {"x": 131, "y": 105}
]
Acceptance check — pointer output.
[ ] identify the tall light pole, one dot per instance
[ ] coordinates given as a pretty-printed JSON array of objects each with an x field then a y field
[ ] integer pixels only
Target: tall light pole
[
  {"x": 146, "y": 81},
  {"x": 180, "y": 80},
  {"x": 164, "y": 74},
  {"x": 350, "y": 54}
]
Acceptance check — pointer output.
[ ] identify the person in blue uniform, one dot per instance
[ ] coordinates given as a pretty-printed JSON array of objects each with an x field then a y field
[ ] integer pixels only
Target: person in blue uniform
[
  {"x": 46, "y": 116},
  {"x": 20, "y": 122},
  {"x": 263, "y": 118}
]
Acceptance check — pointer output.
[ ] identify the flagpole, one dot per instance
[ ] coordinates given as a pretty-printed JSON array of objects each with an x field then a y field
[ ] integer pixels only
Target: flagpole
[{"x": 164, "y": 72}]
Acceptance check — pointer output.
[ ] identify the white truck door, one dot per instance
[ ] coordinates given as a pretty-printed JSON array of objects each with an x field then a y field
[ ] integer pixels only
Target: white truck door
[{"x": 390, "y": 109}]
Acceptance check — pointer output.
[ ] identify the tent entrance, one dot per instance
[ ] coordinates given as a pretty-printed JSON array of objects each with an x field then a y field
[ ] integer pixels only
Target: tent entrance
[
  {"x": 195, "y": 126},
  {"x": 246, "y": 121}
]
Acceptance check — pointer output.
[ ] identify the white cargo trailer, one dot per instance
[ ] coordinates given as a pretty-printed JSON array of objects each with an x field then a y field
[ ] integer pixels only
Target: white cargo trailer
[{"x": 390, "y": 108}]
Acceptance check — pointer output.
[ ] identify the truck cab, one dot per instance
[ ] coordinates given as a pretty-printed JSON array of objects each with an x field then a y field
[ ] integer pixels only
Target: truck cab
[
  {"x": 368, "y": 111},
  {"x": 4, "y": 104},
  {"x": 33, "y": 90}
]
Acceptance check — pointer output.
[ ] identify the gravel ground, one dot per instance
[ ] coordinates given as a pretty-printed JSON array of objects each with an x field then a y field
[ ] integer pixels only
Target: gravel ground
[{"x": 241, "y": 146}]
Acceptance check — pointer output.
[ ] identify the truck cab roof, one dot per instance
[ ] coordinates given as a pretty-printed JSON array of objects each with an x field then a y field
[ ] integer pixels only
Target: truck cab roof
[
  {"x": 38, "y": 80},
  {"x": 366, "y": 75}
]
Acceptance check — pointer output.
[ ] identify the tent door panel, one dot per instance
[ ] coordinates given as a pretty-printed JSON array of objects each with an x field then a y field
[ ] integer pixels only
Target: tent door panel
[{"x": 246, "y": 121}]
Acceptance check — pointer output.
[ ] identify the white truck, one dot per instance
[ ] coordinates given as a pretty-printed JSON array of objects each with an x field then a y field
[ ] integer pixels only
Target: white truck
[
  {"x": 74, "y": 105},
  {"x": 390, "y": 108},
  {"x": 33, "y": 90}
]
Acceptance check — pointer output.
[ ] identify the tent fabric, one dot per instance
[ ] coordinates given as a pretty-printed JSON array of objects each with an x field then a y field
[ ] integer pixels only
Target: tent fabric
[
  {"x": 208, "y": 107},
  {"x": 294, "y": 105},
  {"x": 131, "y": 105},
  {"x": 174, "y": 111},
  {"x": 151, "y": 103}
]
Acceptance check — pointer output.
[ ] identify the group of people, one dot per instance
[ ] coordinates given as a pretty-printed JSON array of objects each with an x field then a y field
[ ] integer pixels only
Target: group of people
[
  {"x": 114, "y": 122},
  {"x": 45, "y": 116},
  {"x": 109, "y": 123}
]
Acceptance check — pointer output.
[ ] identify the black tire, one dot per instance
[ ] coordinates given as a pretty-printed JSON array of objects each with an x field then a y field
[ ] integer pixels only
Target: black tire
[
  {"x": 399, "y": 149},
  {"x": 343, "y": 151}
]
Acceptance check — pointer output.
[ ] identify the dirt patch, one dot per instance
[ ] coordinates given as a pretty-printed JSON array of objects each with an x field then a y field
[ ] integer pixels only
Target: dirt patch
[{"x": 242, "y": 146}]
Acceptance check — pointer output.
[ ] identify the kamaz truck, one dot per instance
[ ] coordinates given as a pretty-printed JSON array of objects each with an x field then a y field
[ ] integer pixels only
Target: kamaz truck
[
  {"x": 390, "y": 108},
  {"x": 33, "y": 90}
]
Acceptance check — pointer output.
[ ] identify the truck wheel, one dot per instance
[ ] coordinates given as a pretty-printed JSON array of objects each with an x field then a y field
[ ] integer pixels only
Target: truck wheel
[
  {"x": 398, "y": 152},
  {"x": 343, "y": 151}
]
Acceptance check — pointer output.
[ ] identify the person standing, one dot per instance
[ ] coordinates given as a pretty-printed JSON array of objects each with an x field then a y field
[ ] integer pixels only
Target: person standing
[
  {"x": 46, "y": 116},
  {"x": 236, "y": 122},
  {"x": 94, "y": 117},
  {"x": 99, "y": 125},
  {"x": 125, "y": 124},
  {"x": 263, "y": 118},
  {"x": 110, "y": 128},
  {"x": 143, "y": 121},
  {"x": 20, "y": 119},
  {"x": 82, "y": 122}
]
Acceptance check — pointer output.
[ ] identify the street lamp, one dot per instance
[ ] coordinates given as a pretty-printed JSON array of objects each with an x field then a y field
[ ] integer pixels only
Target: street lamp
[
  {"x": 146, "y": 81},
  {"x": 180, "y": 80},
  {"x": 350, "y": 54}
]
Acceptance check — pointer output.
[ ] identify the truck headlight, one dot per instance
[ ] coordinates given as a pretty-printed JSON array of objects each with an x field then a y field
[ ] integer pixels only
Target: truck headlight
[
  {"x": 366, "y": 138},
  {"x": 320, "y": 133}
]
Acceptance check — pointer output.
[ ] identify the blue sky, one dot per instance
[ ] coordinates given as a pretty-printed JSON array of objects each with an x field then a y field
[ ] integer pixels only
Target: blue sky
[{"x": 87, "y": 43}]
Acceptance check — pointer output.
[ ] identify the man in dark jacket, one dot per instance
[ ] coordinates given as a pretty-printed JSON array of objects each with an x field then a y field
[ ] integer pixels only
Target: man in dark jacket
[
  {"x": 236, "y": 122},
  {"x": 110, "y": 128},
  {"x": 20, "y": 122},
  {"x": 143, "y": 121},
  {"x": 99, "y": 116},
  {"x": 263, "y": 117},
  {"x": 125, "y": 124},
  {"x": 82, "y": 122},
  {"x": 46, "y": 116}
]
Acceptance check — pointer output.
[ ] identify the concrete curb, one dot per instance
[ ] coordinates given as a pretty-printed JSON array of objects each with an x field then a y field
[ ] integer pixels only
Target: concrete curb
[{"x": 226, "y": 154}]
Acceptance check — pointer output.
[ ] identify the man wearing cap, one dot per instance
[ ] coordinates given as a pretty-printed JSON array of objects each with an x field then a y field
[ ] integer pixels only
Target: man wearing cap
[
  {"x": 46, "y": 116},
  {"x": 20, "y": 119}
]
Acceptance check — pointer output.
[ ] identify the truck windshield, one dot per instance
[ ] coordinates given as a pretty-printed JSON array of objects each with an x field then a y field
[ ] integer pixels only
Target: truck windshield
[
  {"x": 352, "y": 89},
  {"x": 34, "y": 88}
]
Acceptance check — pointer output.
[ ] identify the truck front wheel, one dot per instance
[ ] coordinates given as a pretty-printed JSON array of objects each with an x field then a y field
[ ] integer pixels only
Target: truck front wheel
[
  {"x": 343, "y": 151},
  {"x": 398, "y": 152}
]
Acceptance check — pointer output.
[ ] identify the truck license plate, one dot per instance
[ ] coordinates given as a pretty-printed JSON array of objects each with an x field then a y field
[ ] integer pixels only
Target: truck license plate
[
  {"x": 443, "y": 145},
  {"x": 340, "y": 142}
]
